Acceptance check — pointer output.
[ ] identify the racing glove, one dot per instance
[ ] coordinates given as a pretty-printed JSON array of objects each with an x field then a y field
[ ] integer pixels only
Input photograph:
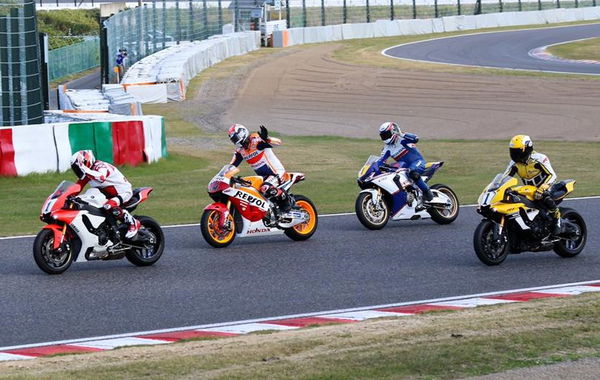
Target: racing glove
[
  {"x": 264, "y": 133},
  {"x": 539, "y": 192}
]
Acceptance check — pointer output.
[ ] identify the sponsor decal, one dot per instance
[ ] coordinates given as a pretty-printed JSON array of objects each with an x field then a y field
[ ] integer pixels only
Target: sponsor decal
[
  {"x": 253, "y": 154},
  {"x": 250, "y": 199},
  {"x": 258, "y": 230}
]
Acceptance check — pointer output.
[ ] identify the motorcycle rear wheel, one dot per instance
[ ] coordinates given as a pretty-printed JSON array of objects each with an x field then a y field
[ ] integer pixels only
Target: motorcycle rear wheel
[
  {"x": 46, "y": 258},
  {"x": 485, "y": 247},
  {"x": 209, "y": 226},
  {"x": 305, "y": 230},
  {"x": 445, "y": 216},
  {"x": 572, "y": 247},
  {"x": 368, "y": 215},
  {"x": 152, "y": 251}
]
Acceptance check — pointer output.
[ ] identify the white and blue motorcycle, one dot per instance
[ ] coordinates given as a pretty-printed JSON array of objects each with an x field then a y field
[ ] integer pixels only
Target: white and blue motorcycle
[{"x": 388, "y": 192}]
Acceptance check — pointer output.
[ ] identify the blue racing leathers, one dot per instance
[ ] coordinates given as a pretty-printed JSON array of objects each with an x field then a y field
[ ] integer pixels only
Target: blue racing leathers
[{"x": 404, "y": 151}]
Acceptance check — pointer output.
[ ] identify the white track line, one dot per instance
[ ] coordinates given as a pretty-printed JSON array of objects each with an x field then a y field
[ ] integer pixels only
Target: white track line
[
  {"x": 320, "y": 216},
  {"x": 384, "y": 51},
  {"x": 217, "y": 326}
]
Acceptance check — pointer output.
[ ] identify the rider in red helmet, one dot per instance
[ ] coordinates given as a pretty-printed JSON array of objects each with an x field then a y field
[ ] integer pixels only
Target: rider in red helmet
[{"x": 110, "y": 181}]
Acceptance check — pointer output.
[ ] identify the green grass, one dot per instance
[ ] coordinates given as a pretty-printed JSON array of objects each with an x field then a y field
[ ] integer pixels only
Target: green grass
[
  {"x": 330, "y": 165},
  {"x": 587, "y": 49}
]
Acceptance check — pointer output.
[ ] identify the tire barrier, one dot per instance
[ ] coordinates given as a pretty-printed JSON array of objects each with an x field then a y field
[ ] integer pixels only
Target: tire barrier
[
  {"x": 167, "y": 73},
  {"x": 46, "y": 148},
  {"x": 387, "y": 28}
]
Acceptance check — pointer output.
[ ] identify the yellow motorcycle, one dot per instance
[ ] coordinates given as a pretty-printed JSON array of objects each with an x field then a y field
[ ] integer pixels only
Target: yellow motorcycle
[{"x": 514, "y": 222}]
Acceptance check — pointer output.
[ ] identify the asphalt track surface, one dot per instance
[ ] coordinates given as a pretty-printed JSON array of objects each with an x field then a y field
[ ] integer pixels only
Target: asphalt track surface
[
  {"x": 342, "y": 266},
  {"x": 509, "y": 50}
]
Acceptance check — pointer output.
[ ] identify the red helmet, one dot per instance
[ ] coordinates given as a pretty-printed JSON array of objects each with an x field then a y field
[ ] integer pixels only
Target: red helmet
[
  {"x": 238, "y": 134},
  {"x": 81, "y": 159}
]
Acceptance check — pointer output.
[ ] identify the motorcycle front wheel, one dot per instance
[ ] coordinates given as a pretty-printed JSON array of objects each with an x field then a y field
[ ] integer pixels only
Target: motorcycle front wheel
[
  {"x": 445, "y": 215},
  {"x": 218, "y": 237},
  {"x": 151, "y": 241},
  {"x": 47, "y": 259},
  {"x": 573, "y": 245},
  {"x": 489, "y": 250},
  {"x": 304, "y": 230},
  {"x": 372, "y": 216}
]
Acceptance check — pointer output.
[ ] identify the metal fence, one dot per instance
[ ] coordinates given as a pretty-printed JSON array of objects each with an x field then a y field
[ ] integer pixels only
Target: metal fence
[
  {"x": 74, "y": 58},
  {"x": 20, "y": 85},
  {"x": 160, "y": 24},
  {"x": 303, "y": 13}
]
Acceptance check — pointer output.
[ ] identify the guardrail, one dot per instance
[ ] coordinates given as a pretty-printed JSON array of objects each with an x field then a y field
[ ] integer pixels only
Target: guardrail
[{"x": 388, "y": 28}]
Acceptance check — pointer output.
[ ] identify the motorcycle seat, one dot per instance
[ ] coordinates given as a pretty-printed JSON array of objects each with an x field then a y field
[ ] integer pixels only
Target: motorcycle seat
[
  {"x": 432, "y": 167},
  {"x": 136, "y": 198}
]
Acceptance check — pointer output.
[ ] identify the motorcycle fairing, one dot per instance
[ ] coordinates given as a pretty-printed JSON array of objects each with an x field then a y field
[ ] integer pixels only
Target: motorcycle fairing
[
  {"x": 256, "y": 228},
  {"x": 249, "y": 202},
  {"x": 88, "y": 239}
]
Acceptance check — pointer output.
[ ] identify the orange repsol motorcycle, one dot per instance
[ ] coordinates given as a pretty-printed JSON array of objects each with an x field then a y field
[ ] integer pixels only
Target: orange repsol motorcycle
[{"x": 241, "y": 210}]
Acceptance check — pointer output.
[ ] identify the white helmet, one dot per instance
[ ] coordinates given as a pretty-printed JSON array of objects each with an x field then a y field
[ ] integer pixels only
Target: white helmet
[
  {"x": 81, "y": 159},
  {"x": 238, "y": 134},
  {"x": 389, "y": 132}
]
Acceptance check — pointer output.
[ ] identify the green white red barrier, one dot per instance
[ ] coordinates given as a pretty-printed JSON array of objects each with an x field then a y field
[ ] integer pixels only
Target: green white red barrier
[{"x": 48, "y": 147}]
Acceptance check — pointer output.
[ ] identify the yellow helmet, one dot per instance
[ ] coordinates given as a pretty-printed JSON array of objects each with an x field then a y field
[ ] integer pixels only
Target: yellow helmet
[{"x": 520, "y": 148}]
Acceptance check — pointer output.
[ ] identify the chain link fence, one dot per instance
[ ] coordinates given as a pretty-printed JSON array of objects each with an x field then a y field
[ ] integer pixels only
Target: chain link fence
[
  {"x": 20, "y": 85},
  {"x": 74, "y": 58},
  {"x": 305, "y": 13},
  {"x": 159, "y": 24}
]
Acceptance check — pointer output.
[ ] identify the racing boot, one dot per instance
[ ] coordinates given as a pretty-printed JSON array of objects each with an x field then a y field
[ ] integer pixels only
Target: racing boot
[
  {"x": 134, "y": 225},
  {"x": 557, "y": 227},
  {"x": 427, "y": 195},
  {"x": 284, "y": 201}
]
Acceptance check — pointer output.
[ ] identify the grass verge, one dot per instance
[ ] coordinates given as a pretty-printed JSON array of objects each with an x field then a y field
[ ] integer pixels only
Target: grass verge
[
  {"x": 439, "y": 345},
  {"x": 587, "y": 49}
]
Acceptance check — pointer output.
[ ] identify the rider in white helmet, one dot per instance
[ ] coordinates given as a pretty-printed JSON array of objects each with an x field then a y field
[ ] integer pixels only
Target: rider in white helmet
[
  {"x": 110, "y": 181},
  {"x": 402, "y": 147},
  {"x": 256, "y": 149}
]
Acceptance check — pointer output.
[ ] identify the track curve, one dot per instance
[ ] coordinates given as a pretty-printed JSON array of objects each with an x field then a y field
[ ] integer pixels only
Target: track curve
[
  {"x": 342, "y": 266},
  {"x": 507, "y": 50}
]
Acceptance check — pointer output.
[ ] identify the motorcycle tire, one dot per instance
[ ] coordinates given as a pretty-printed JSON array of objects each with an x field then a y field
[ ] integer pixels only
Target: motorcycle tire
[
  {"x": 305, "y": 230},
  {"x": 572, "y": 247},
  {"x": 367, "y": 216},
  {"x": 481, "y": 243},
  {"x": 149, "y": 255},
  {"x": 42, "y": 248},
  {"x": 445, "y": 216},
  {"x": 209, "y": 228}
]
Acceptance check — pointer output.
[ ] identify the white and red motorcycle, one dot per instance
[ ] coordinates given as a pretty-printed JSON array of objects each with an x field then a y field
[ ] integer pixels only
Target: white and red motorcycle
[
  {"x": 80, "y": 230},
  {"x": 240, "y": 209}
]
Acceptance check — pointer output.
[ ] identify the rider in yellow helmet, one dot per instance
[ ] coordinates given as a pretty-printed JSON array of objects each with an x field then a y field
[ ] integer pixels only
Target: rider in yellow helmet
[{"x": 534, "y": 169}]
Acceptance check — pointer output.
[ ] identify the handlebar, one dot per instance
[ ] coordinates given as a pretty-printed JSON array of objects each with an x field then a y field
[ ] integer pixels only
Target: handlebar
[{"x": 241, "y": 181}]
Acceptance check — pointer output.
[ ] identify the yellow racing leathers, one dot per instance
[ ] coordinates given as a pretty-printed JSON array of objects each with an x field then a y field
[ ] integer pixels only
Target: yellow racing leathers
[{"x": 537, "y": 171}]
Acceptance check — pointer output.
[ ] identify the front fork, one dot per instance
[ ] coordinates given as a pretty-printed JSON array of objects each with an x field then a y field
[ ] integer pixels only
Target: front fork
[
  {"x": 498, "y": 231},
  {"x": 59, "y": 234},
  {"x": 376, "y": 198}
]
